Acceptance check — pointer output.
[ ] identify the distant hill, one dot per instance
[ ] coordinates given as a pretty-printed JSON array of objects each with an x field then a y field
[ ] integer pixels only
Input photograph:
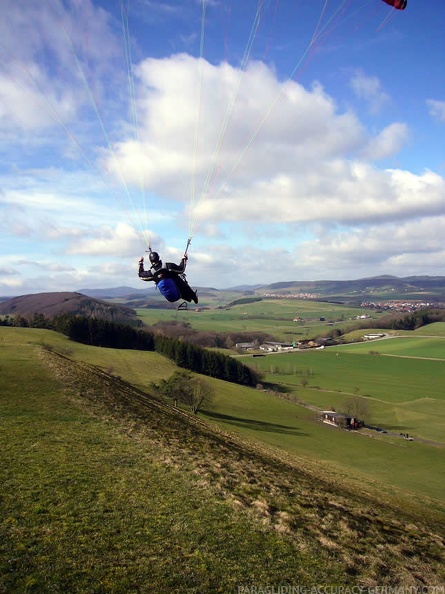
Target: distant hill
[
  {"x": 52, "y": 304},
  {"x": 150, "y": 296},
  {"x": 117, "y": 292},
  {"x": 119, "y": 303},
  {"x": 245, "y": 288},
  {"x": 384, "y": 287},
  {"x": 426, "y": 288}
]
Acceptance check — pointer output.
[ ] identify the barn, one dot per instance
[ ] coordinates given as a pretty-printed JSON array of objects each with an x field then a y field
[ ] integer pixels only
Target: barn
[{"x": 338, "y": 419}]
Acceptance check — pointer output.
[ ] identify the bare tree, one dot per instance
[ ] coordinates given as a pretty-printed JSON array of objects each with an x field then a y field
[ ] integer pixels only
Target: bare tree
[
  {"x": 201, "y": 392},
  {"x": 187, "y": 389},
  {"x": 357, "y": 407}
]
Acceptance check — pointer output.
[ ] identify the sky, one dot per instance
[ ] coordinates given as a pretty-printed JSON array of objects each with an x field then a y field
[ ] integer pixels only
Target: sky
[{"x": 288, "y": 139}]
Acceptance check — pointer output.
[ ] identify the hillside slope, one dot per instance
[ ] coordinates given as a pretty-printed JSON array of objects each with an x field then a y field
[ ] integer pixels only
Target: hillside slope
[
  {"x": 370, "y": 542},
  {"x": 58, "y": 303}
]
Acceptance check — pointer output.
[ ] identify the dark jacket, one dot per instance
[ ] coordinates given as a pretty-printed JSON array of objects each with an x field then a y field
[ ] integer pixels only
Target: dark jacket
[{"x": 160, "y": 273}]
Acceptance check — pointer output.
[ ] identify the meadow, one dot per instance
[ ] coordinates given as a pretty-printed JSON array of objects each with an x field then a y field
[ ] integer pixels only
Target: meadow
[
  {"x": 105, "y": 489},
  {"x": 390, "y": 464},
  {"x": 404, "y": 395},
  {"x": 91, "y": 505},
  {"x": 435, "y": 329},
  {"x": 403, "y": 345},
  {"x": 272, "y": 316}
]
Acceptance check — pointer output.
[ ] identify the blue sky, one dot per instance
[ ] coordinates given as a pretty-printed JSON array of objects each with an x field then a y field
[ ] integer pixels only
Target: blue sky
[{"x": 290, "y": 139}]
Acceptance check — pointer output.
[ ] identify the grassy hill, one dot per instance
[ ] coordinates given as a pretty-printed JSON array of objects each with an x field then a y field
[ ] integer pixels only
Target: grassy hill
[{"x": 106, "y": 488}]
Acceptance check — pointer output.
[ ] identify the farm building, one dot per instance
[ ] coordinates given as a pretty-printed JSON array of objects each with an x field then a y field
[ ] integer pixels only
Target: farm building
[
  {"x": 244, "y": 346},
  {"x": 277, "y": 346},
  {"x": 341, "y": 420}
]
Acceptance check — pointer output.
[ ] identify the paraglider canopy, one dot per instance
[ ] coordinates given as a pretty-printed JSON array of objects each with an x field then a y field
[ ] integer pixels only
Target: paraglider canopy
[{"x": 399, "y": 4}]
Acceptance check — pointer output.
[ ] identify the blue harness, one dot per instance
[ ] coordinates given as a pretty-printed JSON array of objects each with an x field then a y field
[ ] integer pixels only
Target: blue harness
[{"x": 169, "y": 290}]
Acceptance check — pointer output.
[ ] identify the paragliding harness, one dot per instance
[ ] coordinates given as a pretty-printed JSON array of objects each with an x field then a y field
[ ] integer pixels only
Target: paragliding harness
[{"x": 168, "y": 284}]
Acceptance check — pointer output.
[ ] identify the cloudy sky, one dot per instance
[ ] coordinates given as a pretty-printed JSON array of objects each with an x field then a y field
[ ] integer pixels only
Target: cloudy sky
[{"x": 289, "y": 139}]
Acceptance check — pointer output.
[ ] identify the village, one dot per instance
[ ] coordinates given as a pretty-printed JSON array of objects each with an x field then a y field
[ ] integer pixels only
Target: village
[{"x": 399, "y": 306}]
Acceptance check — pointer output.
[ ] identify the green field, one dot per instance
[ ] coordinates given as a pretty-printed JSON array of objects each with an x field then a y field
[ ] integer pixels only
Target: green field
[
  {"x": 272, "y": 316},
  {"x": 405, "y": 395},
  {"x": 435, "y": 329},
  {"x": 105, "y": 490},
  {"x": 91, "y": 505},
  {"x": 137, "y": 367},
  {"x": 411, "y": 345},
  {"x": 390, "y": 462}
]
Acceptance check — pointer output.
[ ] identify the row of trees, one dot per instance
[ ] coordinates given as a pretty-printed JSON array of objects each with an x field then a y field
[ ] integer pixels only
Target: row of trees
[
  {"x": 411, "y": 321},
  {"x": 103, "y": 333},
  {"x": 206, "y": 362},
  {"x": 19, "y": 321}
]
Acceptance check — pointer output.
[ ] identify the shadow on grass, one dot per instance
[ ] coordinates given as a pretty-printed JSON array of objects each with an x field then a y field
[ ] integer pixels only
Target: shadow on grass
[
  {"x": 254, "y": 424},
  {"x": 280, "y": 388}
]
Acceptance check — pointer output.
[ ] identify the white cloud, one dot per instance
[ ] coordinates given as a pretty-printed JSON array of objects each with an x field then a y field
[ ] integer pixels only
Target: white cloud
[
  {"x": 386, "y": 248},
  {"x": 122, "y": 240},
  {"x": 250, "y": 125},
  {"x": 402, "y": 250},
  {"x": 55, "y": 60},
  {"x": 28, "y": 101},
  {"x": 387, "y": 143},
  {"x": 276, "y": 182},
  {"x": 436, "y": 109},
  {"x": 338, "y": 192},
  {"x": 370, "y": 90}
]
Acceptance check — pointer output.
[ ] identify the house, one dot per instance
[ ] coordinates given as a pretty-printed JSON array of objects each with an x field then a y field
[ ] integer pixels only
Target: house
[
  {"x": 268, "y": 347},
  {"x": 341, "y": 420},
  {"x": 286, "y": 346},
  {"x": 277, "y": 346},
  {"x": 244, "y": 346}
]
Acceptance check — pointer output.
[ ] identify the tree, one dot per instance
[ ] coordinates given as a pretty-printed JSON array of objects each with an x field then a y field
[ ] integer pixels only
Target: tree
[
  {"x": 189, "y": 390},
  {"x": 201, "y": 393},
  {"x": 357, "y": 407}
]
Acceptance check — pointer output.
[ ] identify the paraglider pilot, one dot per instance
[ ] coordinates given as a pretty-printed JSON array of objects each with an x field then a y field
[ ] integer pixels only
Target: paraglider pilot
[{"x": 169, "y": 278}]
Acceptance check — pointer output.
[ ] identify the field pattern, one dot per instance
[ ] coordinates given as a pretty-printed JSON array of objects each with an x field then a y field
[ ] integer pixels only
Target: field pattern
[
  {"x": 273, "y": 316},
  {"x": 403, "y": 394}
]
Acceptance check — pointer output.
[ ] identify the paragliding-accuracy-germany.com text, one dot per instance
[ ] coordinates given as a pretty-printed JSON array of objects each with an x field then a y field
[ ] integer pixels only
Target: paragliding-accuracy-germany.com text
[{"x": 301, "y": 589}]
